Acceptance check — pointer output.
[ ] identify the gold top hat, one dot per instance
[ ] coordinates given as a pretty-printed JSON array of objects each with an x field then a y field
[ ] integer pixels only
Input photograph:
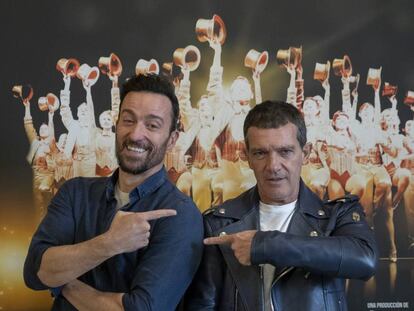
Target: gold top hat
[
  {"x": 145, "y": 67},
  {"x": 42, "y": 103},
  {"x": 68, "y": 66},
  {"x": 49, "y": 102},
  {"x": 88, "y": 73},
  {"x": 389, "y": 90},
  {"x": 374, "y": 76},
  {"x": 172, "y": 70},
  {"x": 52, "y": 102},
  {"x": 110, "y": 65},
  {"x": 187, "y": 58},
  {"x": 409, "y": 98},
  {"x": 291, "y": 57},
  {"x": 256, "y": 60},
  {"x": 297, "y": 55},
  {"x": 167, "y": 67},
  {"x": 25, "y": 92},
  {"x": 284, "y": 57},
  {"x": 342, "y": 66},
  {"x": 211, "y": 29},
  {"x": 321, "y": 72}
]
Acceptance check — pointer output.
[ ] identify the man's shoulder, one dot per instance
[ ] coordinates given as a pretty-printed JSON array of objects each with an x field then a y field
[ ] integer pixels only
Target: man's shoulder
[
  {"x": 178, "y": 200},
  {"x": 232, "y": 209},
  {"x": 342, "y": 205},
  {"x": 85, "y": 184},
  {"x": 86, "y": 181}
]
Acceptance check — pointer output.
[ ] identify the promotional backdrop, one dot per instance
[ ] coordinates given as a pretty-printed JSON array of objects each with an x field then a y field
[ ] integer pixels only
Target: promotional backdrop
[{"x": 355, "y": 47}]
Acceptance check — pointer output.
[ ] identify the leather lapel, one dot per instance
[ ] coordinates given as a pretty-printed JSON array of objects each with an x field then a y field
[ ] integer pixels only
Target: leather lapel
[
  {"x": 303, "y": 221},
  {"x": 246, "y": 278}
]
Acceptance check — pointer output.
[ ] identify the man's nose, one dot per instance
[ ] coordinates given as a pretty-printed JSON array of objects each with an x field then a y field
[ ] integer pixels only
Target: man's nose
[
  {"x": 138, "y": 132},
  {"x": 273, "y": 162}
]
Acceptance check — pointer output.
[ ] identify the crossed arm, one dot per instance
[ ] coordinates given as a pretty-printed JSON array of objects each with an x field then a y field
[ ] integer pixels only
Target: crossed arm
[{"x": 128, "y": 232}]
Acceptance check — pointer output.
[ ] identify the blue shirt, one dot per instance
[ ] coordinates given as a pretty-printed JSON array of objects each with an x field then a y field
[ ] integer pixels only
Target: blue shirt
[{"x": 154, "y": 277}]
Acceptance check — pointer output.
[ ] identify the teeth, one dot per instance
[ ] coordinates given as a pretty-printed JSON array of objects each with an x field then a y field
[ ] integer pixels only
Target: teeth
[{"x": 136, "y": 149}]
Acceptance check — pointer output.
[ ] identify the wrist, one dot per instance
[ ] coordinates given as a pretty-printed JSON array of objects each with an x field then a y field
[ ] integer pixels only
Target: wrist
[{"x": 105, "y": 245}]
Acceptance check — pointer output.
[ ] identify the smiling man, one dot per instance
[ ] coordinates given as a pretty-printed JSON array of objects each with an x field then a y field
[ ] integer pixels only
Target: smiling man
[
  {"x": 278, "y": 246},
  {"x": 131, "y": 241}
]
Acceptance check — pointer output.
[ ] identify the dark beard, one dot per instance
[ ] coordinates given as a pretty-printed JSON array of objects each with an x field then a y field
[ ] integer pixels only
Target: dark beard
[{"x": 154, "y": 156}]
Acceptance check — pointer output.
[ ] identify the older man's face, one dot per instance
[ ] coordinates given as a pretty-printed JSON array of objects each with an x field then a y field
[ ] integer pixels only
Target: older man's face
[{"x": 276, "y": 158}]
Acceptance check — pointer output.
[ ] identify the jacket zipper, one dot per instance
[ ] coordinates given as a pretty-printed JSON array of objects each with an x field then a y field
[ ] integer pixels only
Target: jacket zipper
[
  {"x": 235, "y": 299},
  {"x": 262, "y": 287},
  {"x": 286, "y": 271}
]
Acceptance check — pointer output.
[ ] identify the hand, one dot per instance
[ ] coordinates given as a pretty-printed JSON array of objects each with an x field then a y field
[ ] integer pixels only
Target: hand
[
  {"x": 240, "y": 243},
  {"x": 131, "y": 231},
  {"x": 325, "y": 84},
  {"x": 291, "y": 70},
  {"x": 215, "y": 45},
  {"x": 114, "y": 79},
  {"x": 186, "y": 73},
  {"x": 393, "y": 100},
  {"x": 256, "y": 75},
  {"x": 86, "y": 85}
]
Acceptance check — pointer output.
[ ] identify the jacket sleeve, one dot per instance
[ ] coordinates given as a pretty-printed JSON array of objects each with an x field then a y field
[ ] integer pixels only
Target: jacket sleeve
[
  {"x": 169, "y": 263},
  {"x": 205, "y": 289},
  {"x": 348, "y": 252}
]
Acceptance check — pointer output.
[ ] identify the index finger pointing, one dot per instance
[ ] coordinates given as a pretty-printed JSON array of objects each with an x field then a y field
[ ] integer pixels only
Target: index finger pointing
[
  {"x": 159, "y": 213},
  {"x": 218, "y": 240}
]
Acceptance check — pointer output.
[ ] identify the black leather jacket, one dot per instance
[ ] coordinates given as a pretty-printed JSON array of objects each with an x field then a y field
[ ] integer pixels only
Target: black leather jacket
[{"x": 326, "y": 243}]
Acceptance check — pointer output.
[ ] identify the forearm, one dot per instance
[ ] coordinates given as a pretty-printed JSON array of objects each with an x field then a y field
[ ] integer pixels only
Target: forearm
[
  {"x": 257, "y": 90},
  {"x": 85, "y": 297},
  {"x": 62, "y": 264},
  {"x": 340, "y": 256}
]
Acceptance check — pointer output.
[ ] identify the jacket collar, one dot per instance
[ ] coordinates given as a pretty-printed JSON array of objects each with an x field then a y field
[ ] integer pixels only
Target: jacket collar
[{"x": 308, "y": 203}]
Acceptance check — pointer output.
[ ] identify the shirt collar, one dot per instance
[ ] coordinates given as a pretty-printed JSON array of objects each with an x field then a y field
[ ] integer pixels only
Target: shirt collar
[{"x": 151, "y": 184}]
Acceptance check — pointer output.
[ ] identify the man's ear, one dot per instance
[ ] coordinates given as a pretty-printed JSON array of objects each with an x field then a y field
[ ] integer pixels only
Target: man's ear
[
  {"x": 306, "y": 152},
  {"x": 172, "y": 139}
]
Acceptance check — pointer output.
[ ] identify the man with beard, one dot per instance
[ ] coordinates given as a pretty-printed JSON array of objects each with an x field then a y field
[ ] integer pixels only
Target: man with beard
[
  {"x": 278, "y": 246},
  {"x": 126, "y": 242}
]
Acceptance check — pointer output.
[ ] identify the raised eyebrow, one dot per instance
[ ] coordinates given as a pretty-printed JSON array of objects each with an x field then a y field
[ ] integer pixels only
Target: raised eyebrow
[{"x": 128, "y": 111}]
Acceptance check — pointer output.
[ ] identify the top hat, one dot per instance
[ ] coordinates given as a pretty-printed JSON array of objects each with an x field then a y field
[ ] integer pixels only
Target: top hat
[
  {"x": 68, "y": 67},
  {"x": 88, "y": 73},
  {"x": 25, "y": 92},
  {"x": 145, "y": 67},
  {"x": 342, "y": 66},
  {"x": 409, "y": 98},
  {"x": 374, "y": 76},
  {"x": 321, "y": 72},
  {"x": 389, "y": 90},
  {"x": 256, "y": 60},
  {"x": 291, "y": 57},
  {"x": 211, "y": 29},
  {"x": 187, "y": 58},
  {"x": 42, "y": 103},
  {"x": 49, "y": 102},
  {"x": 110, "y": 65},
  {"x": 52, "y": 102}
]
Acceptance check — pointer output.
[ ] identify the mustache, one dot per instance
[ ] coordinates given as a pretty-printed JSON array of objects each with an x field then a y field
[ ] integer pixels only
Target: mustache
[{"x": 274, "y": 175}]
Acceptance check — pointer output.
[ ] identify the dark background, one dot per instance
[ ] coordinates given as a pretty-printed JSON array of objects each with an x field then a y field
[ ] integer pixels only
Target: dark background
[{"x": 35, "y": 34}]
